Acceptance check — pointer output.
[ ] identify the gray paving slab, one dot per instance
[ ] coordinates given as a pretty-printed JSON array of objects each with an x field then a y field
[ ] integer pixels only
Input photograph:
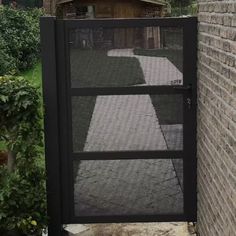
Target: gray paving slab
[
  {"x": 126, "y": 122},
  {"x": 173, "y": 136},
  {"x": 122, "y": 187},
  {"x": 131, "y": 229}
]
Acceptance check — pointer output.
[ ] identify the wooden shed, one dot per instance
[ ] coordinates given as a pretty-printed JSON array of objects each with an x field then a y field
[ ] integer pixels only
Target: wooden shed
[
  {"x": 111, "y": 8},
  {"x": 148, "y": 37}
]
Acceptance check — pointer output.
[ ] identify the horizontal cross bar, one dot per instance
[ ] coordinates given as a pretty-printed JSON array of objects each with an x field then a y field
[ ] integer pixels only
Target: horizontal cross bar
[
  {"x": 127, "y": 90},
  {"x": 129, "y": 23},
  {"x": 130, "y": 219},
  {"x": 124, "y": 155}
]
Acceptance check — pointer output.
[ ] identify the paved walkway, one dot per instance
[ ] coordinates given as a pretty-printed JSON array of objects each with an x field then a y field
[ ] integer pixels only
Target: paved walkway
[
  {"x": 124, "y": 123},
  {"x": 129, "y": 123},
  {"x": 127, "y": 187},
  {"x": 137, "y": 229}
]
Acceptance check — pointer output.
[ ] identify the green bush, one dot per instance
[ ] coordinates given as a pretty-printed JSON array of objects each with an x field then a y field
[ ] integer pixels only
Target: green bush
[
  {"x": 25, "y": 3},
  {"x": 190, "y": 9},
  {"x": 7, "y": 62},
  {"x": 20, "y": 118},
  {"x": 20, "y": 30},
  {"x": 22, "y": 201},
  {"x": 22, "y": 185}
]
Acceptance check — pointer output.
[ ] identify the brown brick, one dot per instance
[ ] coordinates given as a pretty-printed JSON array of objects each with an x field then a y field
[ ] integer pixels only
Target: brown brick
[{"x": 217, "y": 118}]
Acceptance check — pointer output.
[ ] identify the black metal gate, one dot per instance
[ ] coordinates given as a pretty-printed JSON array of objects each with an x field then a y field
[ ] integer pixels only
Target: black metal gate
[{"x": 120, "y": 120}]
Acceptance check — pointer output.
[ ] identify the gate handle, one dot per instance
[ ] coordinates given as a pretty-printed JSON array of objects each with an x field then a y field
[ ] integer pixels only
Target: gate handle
[{"x": 187, "y": 88}]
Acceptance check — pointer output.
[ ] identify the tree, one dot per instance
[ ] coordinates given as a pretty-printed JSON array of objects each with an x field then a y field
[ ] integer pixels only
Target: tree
[
  {"x": 180, "y": 3},
  {"x": 20, "y": 120},
  {"x": 49, "y": 6},
  {"x": 24, "y": 3}
]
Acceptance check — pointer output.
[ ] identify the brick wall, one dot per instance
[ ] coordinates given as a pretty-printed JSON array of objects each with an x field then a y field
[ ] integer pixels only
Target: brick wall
[{"x": 217, "y": 118}]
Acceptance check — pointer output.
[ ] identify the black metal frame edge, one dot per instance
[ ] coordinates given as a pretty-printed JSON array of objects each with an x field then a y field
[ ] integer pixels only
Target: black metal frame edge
[
  {"x": 70, "y": 177},
  {"x": 132, "y": 22},
  {"x": 128, "y": 219},
  {"x": 190, "y": 121},
  {"x": 63, "y": 120},
  {"x": 51, "y": 125}
]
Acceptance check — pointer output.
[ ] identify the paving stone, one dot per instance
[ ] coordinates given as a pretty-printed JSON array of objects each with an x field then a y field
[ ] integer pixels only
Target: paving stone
[
  {"x": 138, "y": 229},
  {"x": 127, "y": 187},
  {"x": 126, "y": 122},
  {"x": 173, "y": 136}
]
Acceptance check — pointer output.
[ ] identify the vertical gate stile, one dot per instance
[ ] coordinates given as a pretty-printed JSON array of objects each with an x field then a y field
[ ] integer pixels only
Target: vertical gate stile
[
  {"x": 51, "y": 124},
  {"x": 61, "y": 78},
  {"x": 68, "y": 86},
  {"x": 190, "y": 123}
]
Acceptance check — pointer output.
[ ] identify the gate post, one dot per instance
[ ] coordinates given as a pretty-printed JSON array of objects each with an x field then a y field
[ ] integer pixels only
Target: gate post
[{"x": 48, "y": 47}]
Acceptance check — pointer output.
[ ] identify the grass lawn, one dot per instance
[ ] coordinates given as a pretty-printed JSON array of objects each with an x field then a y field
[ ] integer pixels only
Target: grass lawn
[
  {"x": 34, "y": 75},
  {"x": 93, "y": 68},
  {"x": 2, "y": 146},
  {"x": 169, "y": 108},
  {"x": 96, "y": 69}
]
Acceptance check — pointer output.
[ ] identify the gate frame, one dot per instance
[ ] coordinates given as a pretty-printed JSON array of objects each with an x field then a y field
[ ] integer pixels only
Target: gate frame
[{"x": 56, "y": 90}]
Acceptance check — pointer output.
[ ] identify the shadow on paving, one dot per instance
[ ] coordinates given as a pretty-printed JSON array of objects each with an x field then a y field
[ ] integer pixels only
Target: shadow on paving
[{"x": 127, "y": 187}]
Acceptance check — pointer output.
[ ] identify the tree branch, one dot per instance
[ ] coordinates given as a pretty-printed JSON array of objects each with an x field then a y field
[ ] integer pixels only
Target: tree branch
[{"x": 11, "y": 161}]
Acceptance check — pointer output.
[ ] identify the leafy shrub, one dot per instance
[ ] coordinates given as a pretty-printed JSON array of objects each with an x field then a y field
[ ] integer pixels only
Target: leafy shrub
[
  {"x": 7, "y": 62},
  {"x": 189, "y": 8},
  {"x": 22, "y": 201},
  {"x": 26, "y": 3},
  {"x": 20, "y": 30},
  {"x": 22, "y": 188},
  {"x": 20, "y": 119}
]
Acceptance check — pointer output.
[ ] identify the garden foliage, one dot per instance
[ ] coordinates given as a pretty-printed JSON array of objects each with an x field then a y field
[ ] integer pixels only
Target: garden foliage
[
  {"x": 7, "y": 62},
  {"x": 183, "y": 7},
  {"x": 20, "y": 38},
  {"x": 25, "y": 3},
  {"x": 22, "y": 190}
]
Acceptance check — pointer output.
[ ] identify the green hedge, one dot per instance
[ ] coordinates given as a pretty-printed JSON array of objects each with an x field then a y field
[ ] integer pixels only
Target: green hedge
[
  {"x": 188, "y": 10},
  {"x": 26, "y": 3},
  {"x": 7, "y": 61},
  {"x": 20, "y": 38},
  {"x": 22, "y": 181}
]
